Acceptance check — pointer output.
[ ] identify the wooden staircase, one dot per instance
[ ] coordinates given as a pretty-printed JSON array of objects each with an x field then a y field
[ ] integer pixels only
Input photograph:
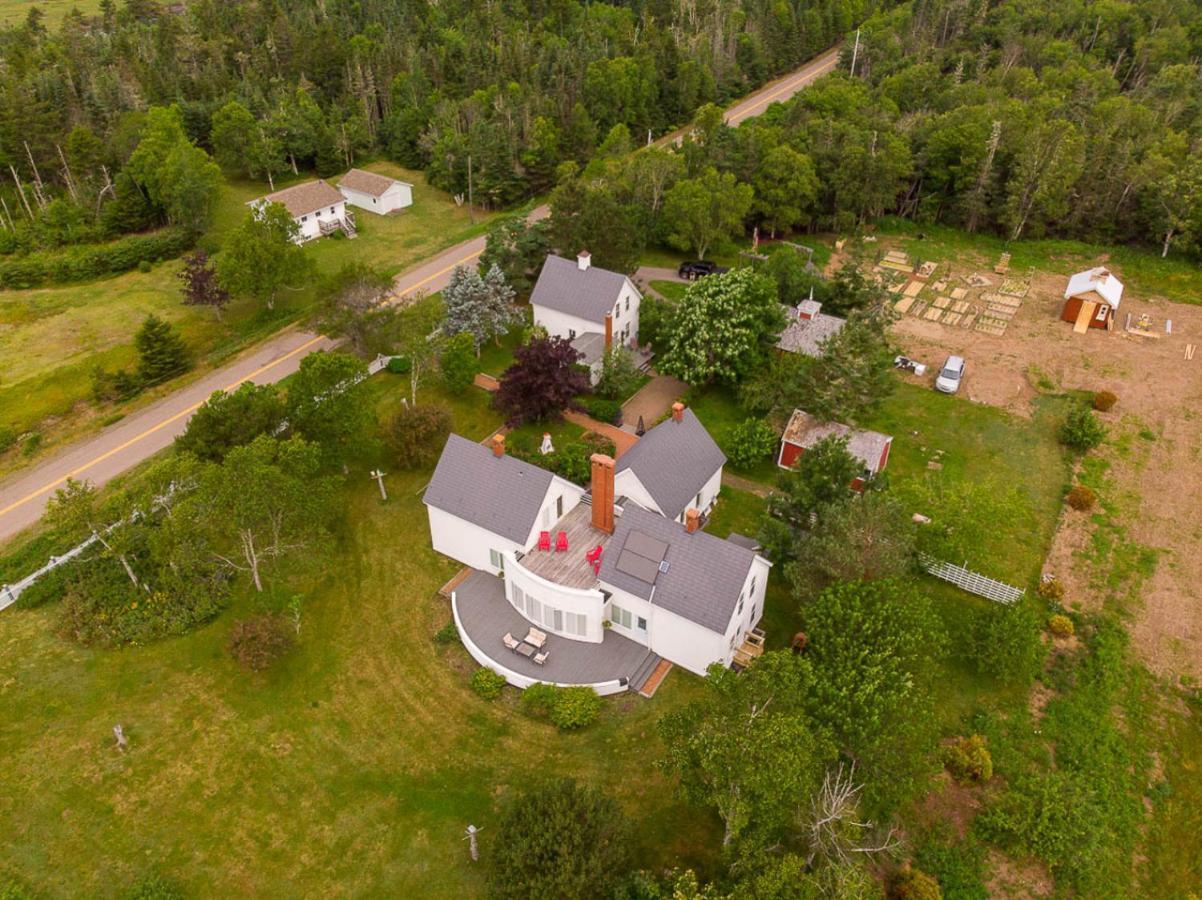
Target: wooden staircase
[{"x": 648, "y": 677}]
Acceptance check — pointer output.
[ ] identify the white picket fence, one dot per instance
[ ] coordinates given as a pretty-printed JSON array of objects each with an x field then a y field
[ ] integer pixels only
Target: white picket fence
[{"x": 973, "y": 582}]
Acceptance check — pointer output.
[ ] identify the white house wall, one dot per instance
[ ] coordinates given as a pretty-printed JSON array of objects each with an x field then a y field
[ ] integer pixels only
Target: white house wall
[
  {"x": 547, "y": 515},
  {"x": 627, "y": 484},
  {"x": 468, "y": 543},
  {"x": 396, "y": 197},
  {"x": 637, "y": 607},
  {"x": 685, "y": 643},
  {"x": 561, "y": 324},
  {"x": 551, "y": 596}
]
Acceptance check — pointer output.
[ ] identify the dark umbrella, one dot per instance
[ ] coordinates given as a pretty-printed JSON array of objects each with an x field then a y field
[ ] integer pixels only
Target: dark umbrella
[{"x": 642, "y": 429}]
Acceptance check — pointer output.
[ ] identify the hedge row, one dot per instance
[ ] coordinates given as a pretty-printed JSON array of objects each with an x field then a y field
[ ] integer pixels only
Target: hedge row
[{"x": 93, "y": 260}]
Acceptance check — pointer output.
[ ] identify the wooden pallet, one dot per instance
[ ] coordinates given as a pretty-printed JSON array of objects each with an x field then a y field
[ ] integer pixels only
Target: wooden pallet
[
  {"x": 960, "y": 306},
  {"x": 903, "y": 305},
  {"x": 942, "y": 302},
  {"x": 913, "y": 289},
  {"x": 952, "y": 318},
  {"x": 968, "y": 319},
  {"x": 933, "y": 314},
  {"x": 919, "y": 308},
  {"x": 959, "y": 293}
]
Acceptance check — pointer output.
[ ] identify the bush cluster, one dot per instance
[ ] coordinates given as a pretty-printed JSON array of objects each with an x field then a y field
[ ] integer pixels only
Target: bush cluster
[
  {"x": 91, "y": 261},
  {"x": 968, "y": 759},
  {"x": 448, "y": 634},
  {"x": 416, "y": 434},
  {"x": 1052, "y": 589},
  {"x": 751, "y": 441},
  {"x": 568, "y": 708},
  {"x": 570, "y": 461},
  {"x": 399, "y": 365},
  {"x": 1081, "y": 498},
  {"x": 911, "y": 884},
  {"x": 487, "y": 683},
  {"x": 1103, "y": 401},
  {"x": 1081, "y": 430},
  {"x": 259, "y": 641},
  {"x": 601, "y": 409},
  {"x": 1061, "y": 626}
]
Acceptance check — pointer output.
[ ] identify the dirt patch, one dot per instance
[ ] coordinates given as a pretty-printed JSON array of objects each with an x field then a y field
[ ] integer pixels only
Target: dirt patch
[
  {"x": 1016, "y": 880},
  {"x": 952, "y": 803},
  {"x": 1153, "y": 455},
  {"x": 1037, "y": 702}
]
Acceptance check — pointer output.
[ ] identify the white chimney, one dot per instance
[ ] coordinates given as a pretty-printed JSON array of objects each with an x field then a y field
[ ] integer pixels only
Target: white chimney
[{"x": 583, "y": 260}]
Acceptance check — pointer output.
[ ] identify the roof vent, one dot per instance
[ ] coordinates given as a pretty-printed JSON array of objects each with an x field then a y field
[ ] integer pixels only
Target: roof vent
[{"x": 663, "y": 567}]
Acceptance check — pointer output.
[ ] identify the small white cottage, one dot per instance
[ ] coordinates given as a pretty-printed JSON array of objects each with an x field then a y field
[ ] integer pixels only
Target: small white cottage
[
  {"x": 317, "y": 207},
  {"x": 375, "y": 193}
]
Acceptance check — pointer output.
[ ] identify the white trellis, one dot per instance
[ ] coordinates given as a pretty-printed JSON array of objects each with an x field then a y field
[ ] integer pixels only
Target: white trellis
[{"x": 973, "y": 582}]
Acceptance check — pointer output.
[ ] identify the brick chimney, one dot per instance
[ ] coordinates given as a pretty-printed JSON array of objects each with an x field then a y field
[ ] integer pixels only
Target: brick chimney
[
  {"x": 583, "y": 260},
  {"x": 677, "y": 411},
  {"x": 609, "y": 331},
  {"x": 692, "y": 520},
  {"x": 603, "y": 492},
  {"x": 498, "y": 445}
]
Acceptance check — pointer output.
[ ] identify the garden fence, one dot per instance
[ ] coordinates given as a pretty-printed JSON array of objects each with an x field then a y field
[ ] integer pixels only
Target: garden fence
[{"x": 973, "y": 582}]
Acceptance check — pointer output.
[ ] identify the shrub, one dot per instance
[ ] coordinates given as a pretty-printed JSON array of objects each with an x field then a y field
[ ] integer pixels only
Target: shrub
[
  {"x": 32, "y": 444},
  {"x": 12, "y": 889},
  {"x": 114, "y": 387},
  {"x": 1081, "y": 430},
  {"x": 8, "y": 437},
  {"x": 1061, "y": 626},
  {"x": 601, "y": 409},
  {"x": 1103, "y": 401},
  {"x": 259, "y": 641},
  {"x": 1080, "y": 498},
  {"x": 487, "y": 683},
  {"x": 89, "y": 261},
  {"x": 448, "y": 634},
  {"x": 1052, "y": 589},
  {"x": 1007, "y": 643},
  {"x": 968, "y": 759},
  {"x": 415, "y": 434},
  {"x": 458, "y": 362},
  {"x": 145, "y": 266},
  {"x": 619, "y": 376},
  {"x": 575, "y": 707},
  {"x": 912, "y": 884},
  {"x": 538, "y": 699},
  {"x": 751, "y": 441},
  {"x": 399, "y": 365},
  {"x": 558, "y": 840}
]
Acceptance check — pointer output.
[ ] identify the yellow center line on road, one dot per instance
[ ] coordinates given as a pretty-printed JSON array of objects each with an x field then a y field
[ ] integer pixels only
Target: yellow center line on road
[
  {"x": 149, "y": 431},
  {"x": 430, "y": 278},
  {"x": 801, "y": 79}
]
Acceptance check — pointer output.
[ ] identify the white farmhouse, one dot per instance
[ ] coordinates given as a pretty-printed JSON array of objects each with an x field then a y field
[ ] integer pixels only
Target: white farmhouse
[
  {"x": 375, "y": 193},
  {"x": 595, "y": 587},
  {"x": 594, "y": 308},
  {"x": 317, "y": 207}
]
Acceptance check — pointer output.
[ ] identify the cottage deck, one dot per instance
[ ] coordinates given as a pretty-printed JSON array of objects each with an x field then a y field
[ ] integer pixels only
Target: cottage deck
[
  {"x": 569, "y": 568},
  {"x": 485, "y": 616}
]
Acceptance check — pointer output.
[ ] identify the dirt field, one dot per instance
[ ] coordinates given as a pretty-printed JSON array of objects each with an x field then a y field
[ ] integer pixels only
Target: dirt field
[{"x": 1151, "y": 485}]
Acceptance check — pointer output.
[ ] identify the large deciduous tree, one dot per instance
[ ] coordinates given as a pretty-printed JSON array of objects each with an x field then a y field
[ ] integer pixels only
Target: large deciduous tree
[
  {"x": 542, "y": 382},
  {"x": 352, "y": 303},
  {"x": 261, "y": 257},
  {"x": 854, "y": 372},
  {"x": 228, "y": 420},
  {"x": 786, "y": 189},
  {"x": 177, "y": 176},
  {"x": 243, "y": 145},
  {"x": 327, "y": 401},
  {"x": 702, "y": 212},
  {"x": 723, "y": 329},
  {"x": 518, "y": 247},
  {"x": 746, "y": 747}
]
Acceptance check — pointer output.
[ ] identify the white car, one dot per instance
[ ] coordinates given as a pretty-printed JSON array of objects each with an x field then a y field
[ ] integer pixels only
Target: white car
[{"x": 950, "y": 375}]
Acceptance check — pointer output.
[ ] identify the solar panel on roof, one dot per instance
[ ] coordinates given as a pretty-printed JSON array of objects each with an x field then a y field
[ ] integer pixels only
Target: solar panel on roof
[
  {"x": 637, "y": 567},
  {"x": 646, "y": 546}
]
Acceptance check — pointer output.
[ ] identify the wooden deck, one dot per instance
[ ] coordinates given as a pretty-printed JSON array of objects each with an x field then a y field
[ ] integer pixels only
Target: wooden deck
[
  {"x": 486, "y": 616},
  {"x": 569, "y": 568}
]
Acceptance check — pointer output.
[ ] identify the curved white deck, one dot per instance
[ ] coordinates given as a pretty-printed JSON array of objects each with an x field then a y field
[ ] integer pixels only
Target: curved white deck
[{"x": 483, "y": 616}]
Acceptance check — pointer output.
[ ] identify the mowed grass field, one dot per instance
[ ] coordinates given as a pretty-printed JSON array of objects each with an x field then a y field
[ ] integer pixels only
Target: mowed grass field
[
  {"x": 13, "y": 12},
  {"x": 350, "y": 770},
  {"x": 51, "y": 339}
]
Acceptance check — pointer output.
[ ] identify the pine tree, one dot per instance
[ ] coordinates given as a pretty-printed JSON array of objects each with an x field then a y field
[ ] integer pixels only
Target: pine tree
[
  {"x": 161, "y": 352},
  {"x": 481, "y": 307}
]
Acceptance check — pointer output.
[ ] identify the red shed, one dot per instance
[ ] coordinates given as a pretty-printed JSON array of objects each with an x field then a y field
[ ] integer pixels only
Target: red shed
[{"x": 804, "y": 431}]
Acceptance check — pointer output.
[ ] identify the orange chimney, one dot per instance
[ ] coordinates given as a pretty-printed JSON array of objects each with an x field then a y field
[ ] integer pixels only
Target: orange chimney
[
  {"x": 678, "y": 411},
  {"x": 603, "y": 492},
  {"x": 498, "y": 445},
  {"x": 692, "y": 520},
  {"x": 609, "y": 331}
]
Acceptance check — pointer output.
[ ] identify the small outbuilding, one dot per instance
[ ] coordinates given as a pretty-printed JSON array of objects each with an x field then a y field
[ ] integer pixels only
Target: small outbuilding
[
  {"x": 375, "y": 193},
  {"x": 1092, "y": 299},
  {"x": 804, "y": 431}
]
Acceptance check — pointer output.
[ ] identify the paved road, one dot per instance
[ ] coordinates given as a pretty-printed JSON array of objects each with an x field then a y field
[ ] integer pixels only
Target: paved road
[
  {"x": 134, "y": 439},
  {"x": 124, "y": 445}
]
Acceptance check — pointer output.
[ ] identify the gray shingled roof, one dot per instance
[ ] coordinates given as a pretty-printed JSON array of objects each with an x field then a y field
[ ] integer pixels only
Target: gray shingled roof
[
  {"x": 302, "y": 199},
  {"x": 589, "y": 295},
  {"x": 705, "y": 574},
  {"x": 502, "y": 495},
  {"x": 674, "y": 460},
  {"x": 368, "y": 182},
  {"x": 807, "y": 335}
]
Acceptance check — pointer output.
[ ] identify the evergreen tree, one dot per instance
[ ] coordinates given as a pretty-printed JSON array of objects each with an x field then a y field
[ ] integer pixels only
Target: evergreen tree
[
  {"x": 161, "y": 351},
  {"x": 481, "y": 307}
]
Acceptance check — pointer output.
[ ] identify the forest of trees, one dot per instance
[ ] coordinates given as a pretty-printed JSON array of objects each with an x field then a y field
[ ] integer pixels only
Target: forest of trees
[{"x": 270, "y": 88}]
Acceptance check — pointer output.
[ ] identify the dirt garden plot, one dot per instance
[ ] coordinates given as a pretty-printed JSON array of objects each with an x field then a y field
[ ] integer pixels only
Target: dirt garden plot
[{"x": 1150, "y": 470}]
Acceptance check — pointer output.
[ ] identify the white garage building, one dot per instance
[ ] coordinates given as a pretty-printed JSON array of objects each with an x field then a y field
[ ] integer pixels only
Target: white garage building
[{"x": 375, "y": 193}]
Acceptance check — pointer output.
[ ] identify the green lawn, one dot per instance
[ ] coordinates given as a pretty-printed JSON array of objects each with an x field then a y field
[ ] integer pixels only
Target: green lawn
[
  {"x": 15, "y": 11},
  {"x": 352, "y": 769},
  {"x": 54, "y": 337},
  {"x": 671, "y": 290},
  {"x": 1143, "y": 270},
  {"x": 719, "y": 411}
]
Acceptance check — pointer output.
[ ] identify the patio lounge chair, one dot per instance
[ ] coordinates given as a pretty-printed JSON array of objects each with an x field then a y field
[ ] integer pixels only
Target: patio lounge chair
[
  {"x": 510, "y": 642},
  {"x": 541, "y": 658},
  {"x": 561, "y": 542},
  {"x": 536, "y": 638},
  {"x": 544, "y": 540}
]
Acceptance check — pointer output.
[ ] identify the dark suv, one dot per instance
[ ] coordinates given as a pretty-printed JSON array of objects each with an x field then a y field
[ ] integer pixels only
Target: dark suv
[{"x": 699, "y": 268}]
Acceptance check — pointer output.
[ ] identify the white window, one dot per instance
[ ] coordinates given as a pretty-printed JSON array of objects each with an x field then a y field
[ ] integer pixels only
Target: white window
[
  {"x": 553, "y": 618},
  {"x": 752, "y": 593},
  {"x": 519, "y": 598},
  {"x": 621, "y": 616},
  {"x": 534, "y": 610},
  {"x": 628, "y": 304},
  {"x": 575, "y": 623},
  {"x": 373, "y": 199},
  {"x": 331, "y": 210},
  {"x": 497, "y": 559},
  {"x": 618, "y": 311},
  {"x": 304, "y": 218}
]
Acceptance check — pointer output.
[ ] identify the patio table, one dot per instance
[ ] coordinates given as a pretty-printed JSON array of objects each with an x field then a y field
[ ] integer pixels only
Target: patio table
[{"x": 526, "y": 650}]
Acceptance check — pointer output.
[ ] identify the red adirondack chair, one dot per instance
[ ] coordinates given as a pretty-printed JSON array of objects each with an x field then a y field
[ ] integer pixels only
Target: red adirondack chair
[
  {"x": 594, "y": 555},
  {"x": 544, "y": 540},
  {"x": 561, "y": 542}
]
